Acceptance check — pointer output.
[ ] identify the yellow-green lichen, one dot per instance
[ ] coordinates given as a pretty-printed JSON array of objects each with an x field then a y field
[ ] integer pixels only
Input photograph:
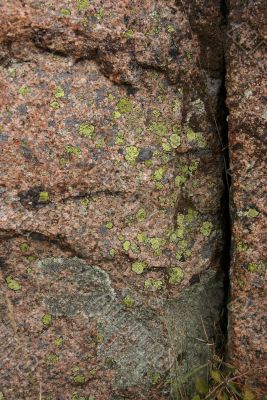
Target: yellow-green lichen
[
  {"x": 159, "y": 128},
  {"x": 79, "y": 379},
  {"x": 99, "y": 15},
  {"x": 55, "y": 105},
  {"x": 131, "y": 154},
  {"x": 47, "y": 319},
  {"x": 159, "y": 174},
  {"x": 13, "y": 284},
  {"x": 175, "y": 140},
  {"x": 197, "y": 137},
  {"x": 58, "y": 342},
  {"x": 126, "y": 245},
  {"x": 141, "y": 215},
  {"x": 124, "y": 106},
  {"x": 138, "y": 267},
  {"x": 128, "y": 302},
  {"x": 119, "y": 140},
  {"x": 176, "y": 275},
  {"x": 186, "y": 172},
  {"x": 109, "y": 225},
  {"x": 24, "y": 247},
  {"x": 257, "y": 267},
  {"x": 112, "y": 252},
  {"x": 154, "y": 377},
  {"x": 157, "y": 244},
  {"x": 44, "y": 197},
  {"x": 59, "y": 92},
  {"x": 141, "y": 237},
  {"x": 206, "y": 228},
  {"x": 87, "y": 130},
  {"x": 65, "y": 12},
  {"x": 128, "y": 34},
  {"x": 153, "y": 283},
  {"x": 24, "y": 90},
  {"x": 52, "y": 359},
  {"x": 82, "y": 4},
  {"x": 251, "y": 213},
  {"x": 73, "y": 150},
  {"x": 241, "y": 247}
]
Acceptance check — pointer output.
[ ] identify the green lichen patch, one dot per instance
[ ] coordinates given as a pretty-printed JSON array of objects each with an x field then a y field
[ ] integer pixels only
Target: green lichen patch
[
  {"x": 55, "y": 105},
  {"x": 52, "y": 359},
  {"x": 109, "y": 225},
  {"x": 24, "y": 247},
  {"x": 176, "y": 275},
  {"x": 99, "y": 15},
  {"x": 206, "y": 228},
  {"x": 186, "y": 171},
  {"x": 128, "y": 34},
  {"x": 82, "y": 4},
  {"x": 124, "y": 106},
  {"x": 197, "y": 137},
  {"x": 87, "y": 130},
  {"x": 170, "y": 29},
  {"x": 241, "y": 247},
  {"x": 47, "y": 319},
  {"x": 142, "y": 237},
  {"x": 141, "y": 214},
  {"x": 13, "y": 284},
  {"x": 58, "y": 342},
  {"x": 112, "y": 252},
  {"x": 251, "y": 213},
  {"x": 65, "y": 12},
  {"x": 157, "y": 244},
  {"x": 138, "y": 267},
  {"x": 175, "y": 140},
  {"x": 73, "y": 151},
  {"x": 44, "y": 197},
  {"x": 59, "y": 92},
  {"x": 154, "y": 377},
  {"x": 153, "y": 283},
  {"x": 126, "y": 245},
  {"x": 159, "y": 174},
  {"x": 24, "y": 90},
  {"x": 159, "y": 128},
  {"x": 128, "y": 302},
  {"x": 131, "y": 154},
  {"x": 257, "y": 267},
  {"x": 79, "y": 379},
  {"x": 119, "y": 140}
]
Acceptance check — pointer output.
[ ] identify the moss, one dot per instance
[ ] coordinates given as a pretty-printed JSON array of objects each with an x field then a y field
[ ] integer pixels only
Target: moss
[
  {"x": 58, "y": 342},
  {"x": 24, "y": 247},
  {"x": 47, "y": 319},
  {"x": 206, "y": 228},
  {"x": 44, "y": 197},
  {"x": 65, "y": 12},
  {"x": 109, "y": 225},
  {"x": 154, "y": 283},
  {"x": 138, "y": 267},
  {"x": 13, "y": 284},
  {"x": 59, "y": 92},
  {"x": 87, "y": 130},
  {"x": 141, "y": 215},
  {"x": 176, "y": 275},
  {"x": 128, "y": 34},
  {"x": 24, "y": 90},
  {"x": 128, "y": 302},
  {"x": 251, "y": 213},
  {"x": 124, "y": 106},
  {"x": 79, "y": 379},
  {"x": 131, "y": 154},
  {"x": 157, "y": 245},
  {"x": 126, "y": 245},
  {"x": 257, "y": 267},
  {"x": 159, "y": 128},
  {"x": 82, "y": 4},
  {"x": 154, "y": 377},
  {"x": 175, "y": 140},
  {"x": 73, "y": 150}
]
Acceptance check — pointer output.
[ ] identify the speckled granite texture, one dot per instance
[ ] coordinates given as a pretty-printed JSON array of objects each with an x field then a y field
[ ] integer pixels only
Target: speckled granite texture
[
  {"x": 246, "y": 100},
  {"x": 111, "y": 187}
]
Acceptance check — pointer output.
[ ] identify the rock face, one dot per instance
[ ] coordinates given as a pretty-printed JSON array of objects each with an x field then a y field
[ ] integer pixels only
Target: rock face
[
  {"x": 112, "y": 176},
  {"x": 246, "y": 90}
]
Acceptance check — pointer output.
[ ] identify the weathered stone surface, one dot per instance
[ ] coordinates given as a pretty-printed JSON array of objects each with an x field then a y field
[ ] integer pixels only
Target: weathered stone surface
[
  {"x": 246, "y": 99},
  {"x": 111, "y": 187}
]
